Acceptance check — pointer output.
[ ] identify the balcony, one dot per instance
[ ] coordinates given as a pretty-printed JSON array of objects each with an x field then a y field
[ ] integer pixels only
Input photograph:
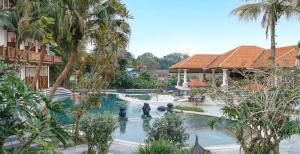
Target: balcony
[
  {"x": 5, "y": 4},
  {"x": 9, "y": 54}
]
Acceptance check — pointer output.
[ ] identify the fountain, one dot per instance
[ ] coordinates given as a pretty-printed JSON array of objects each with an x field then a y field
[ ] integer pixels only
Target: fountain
[
  {"x": 122, "y": 113},
  {"x": 162, "y": 108},
  {"x": 170, "y": 107},
  {"x": 146, "y": 111}
]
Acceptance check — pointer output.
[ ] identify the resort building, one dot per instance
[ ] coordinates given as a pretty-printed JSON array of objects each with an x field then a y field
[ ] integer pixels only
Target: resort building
[
  {"x": 242, "y": 58},
  {"x": 27, "y": 55}
]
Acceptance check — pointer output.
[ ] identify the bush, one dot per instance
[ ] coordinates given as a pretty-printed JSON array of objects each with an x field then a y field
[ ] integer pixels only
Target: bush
[
  {"x": 169, "y": 127},
  {"x": 98, "y": 129},
  {"x": 161, "y": 147},
  {"x": 22, "y": 113},
  {"x": 189, "y": 108}
]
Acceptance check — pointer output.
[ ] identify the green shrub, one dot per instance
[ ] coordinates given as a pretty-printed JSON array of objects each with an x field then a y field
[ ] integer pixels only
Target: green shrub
[
  {"x": 189, "y": 108},
  {"x": 161, "y": 147},
  {"x": 22, "y": 113},
  {"x": 98, "y": 129},
  {"x": 169, "y": 127}
]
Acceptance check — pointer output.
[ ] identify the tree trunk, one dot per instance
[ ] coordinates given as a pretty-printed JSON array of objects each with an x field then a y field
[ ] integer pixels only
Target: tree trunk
[
  {"x": 1, "y": 146},
  {"x": 67, "y": 68},
  {"x": 39, "y": 67},
  {"x": 273, "y": 42},
  {"x": 276, "y": 148}
]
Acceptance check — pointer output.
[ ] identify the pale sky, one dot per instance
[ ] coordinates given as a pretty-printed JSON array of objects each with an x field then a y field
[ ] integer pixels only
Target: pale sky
[{"x": 197, "y": 26}]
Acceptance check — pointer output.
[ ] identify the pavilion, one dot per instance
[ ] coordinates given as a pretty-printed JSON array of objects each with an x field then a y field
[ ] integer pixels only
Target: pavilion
[{"x": 242, "y": 58}]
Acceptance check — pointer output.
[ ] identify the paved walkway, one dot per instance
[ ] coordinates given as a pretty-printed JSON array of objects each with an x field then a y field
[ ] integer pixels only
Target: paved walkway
[{"x": 117, "y": 147}]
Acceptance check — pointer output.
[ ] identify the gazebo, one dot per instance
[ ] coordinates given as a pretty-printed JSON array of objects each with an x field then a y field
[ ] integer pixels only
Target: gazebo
[
  {"x": 195, "y": 64},
  {"x": 242, "y": 58}
]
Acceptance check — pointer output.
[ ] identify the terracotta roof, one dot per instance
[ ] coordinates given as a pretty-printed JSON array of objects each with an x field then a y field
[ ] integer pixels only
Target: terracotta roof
[
  {"x": 284, "y": 57},
  {"x": 240, "y": 57},
  {"x": 197, "y": 83},
  {"x": 195, "y": 62}
]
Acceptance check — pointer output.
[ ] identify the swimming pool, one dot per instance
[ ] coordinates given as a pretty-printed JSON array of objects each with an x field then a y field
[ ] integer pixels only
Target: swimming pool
[{"x": 135, "y": 129}]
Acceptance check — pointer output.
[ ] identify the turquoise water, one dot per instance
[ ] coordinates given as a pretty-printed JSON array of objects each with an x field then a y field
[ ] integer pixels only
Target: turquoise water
[
  {"x": 145, "y": 97},
  {"x": 135, "y": 129}
]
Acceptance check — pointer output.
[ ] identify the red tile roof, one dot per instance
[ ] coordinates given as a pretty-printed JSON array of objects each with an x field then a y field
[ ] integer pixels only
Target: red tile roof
[
  {"x": 284, "y": 57},
  {"x": 240, "y": 57},
  {"x": 195, "y": 62},
  {"x": 197, "y": 83}
]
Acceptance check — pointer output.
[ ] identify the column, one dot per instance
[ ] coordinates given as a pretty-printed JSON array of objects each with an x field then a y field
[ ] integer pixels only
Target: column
[
  {"x": 22, "y": 72},
  {"x": 22, "y": 46},
  {"x": 185, "y": 83},
  {"x": 225, "y": 78},
  {"x": 213, "y": 73},
  {"x": 178, "y": 77},
  {"x": 204, "y": 74},
  {"x": 48, "y": 73}
]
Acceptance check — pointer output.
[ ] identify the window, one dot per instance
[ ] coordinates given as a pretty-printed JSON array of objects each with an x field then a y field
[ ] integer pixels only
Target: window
[{"x": 4, "y": 4}]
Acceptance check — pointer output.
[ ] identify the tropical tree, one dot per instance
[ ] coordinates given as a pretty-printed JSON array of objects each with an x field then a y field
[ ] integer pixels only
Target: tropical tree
[
  {"x": 76, "y": 20},
  {"x": 22, "y": 114},
  {"x": 149, "y": 61},
  {"x": 261, "y": 112},
  {"x": 171, "y": 59},
  {"x": 271, "y": 12}
]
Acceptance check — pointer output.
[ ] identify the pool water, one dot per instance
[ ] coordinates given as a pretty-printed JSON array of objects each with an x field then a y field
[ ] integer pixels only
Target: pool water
[
  {"x": 144, "y": 97},
  {"x": 135, "y": 129}
]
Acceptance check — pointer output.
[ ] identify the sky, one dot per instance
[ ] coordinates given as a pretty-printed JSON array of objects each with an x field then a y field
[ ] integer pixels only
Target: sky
[{"x": 198, "y": 27}]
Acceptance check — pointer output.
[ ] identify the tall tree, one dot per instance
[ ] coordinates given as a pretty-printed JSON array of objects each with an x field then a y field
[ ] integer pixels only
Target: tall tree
[
  {"x": 171, "y": 59},
  {"x": 149, "y": 61},
  {"x": 270, "y": 11},
  {"x": 76, "y": 20}
]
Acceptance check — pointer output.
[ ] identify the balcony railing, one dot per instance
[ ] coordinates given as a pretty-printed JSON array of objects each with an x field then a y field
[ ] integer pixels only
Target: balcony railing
[{"x": 11, "y": 54}]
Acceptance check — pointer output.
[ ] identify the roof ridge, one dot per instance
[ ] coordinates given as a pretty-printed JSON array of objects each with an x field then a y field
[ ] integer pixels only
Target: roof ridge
[
  {"x": 208, "y": 65},
  {"x": 207, "y": 54},
  {"x": 260, "y": 55},
  {"x": 285, "y": 54},
  {"x": 183, "y": 62},
  {"x": 236, "y": 49}
]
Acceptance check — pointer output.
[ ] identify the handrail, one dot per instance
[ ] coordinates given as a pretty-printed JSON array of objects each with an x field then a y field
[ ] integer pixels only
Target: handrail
[{"x": 9, "y": 54}]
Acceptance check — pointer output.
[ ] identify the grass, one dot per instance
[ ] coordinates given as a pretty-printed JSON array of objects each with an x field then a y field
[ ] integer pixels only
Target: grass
[{"x": 189, "y": 108}]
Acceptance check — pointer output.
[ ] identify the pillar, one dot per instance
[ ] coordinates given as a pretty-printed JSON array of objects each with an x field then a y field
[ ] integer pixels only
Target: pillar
[
  {"x": 204, "y": 74},
  {"x": 225, "y": 78},
  {"x": 213, "y": 81},
  {"x": 178, "y": 77},
  {"x": 22, "y": 46},
  {"x": 185, "y": 83},
  {"x": 23, "y": 72},
  {"x": 48, "y": 73}
]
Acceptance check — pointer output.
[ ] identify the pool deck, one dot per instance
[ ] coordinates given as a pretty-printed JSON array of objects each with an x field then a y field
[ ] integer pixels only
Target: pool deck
[
  {"x": 289, "y": 146},
  {"x": 124, "y": 147}
]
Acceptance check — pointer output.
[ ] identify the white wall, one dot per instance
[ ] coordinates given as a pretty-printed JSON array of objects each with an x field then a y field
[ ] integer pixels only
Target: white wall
[{"x": 3, "y": 37}]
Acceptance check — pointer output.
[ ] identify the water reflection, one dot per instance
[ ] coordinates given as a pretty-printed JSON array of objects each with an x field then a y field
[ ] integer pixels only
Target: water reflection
[{"x": 122, "y": 125}]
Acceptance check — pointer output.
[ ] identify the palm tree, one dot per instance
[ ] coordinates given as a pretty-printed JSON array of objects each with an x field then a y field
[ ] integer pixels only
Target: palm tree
[
  {"x": 270, "y": 11},
  {"x": 76, "y": 20}
]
